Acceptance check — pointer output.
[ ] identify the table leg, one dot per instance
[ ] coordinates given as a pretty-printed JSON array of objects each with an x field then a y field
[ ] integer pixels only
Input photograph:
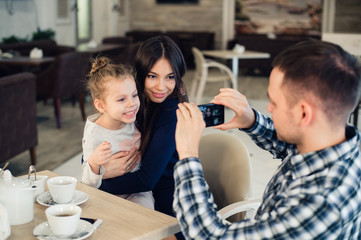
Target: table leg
[{"x": 235, "y": 69}]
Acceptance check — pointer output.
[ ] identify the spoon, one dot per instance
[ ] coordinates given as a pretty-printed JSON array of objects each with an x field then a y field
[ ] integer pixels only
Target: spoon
[
  {"x": 53, "y": 237},
  {"x": 5, "y": 166},
  {"x": 31, "y": 169},
  {"x": 3, "y": 169}
]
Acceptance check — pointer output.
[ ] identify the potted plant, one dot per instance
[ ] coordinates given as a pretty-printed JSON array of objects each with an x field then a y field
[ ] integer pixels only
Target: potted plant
[
  {"x": 14, "y": 39},
  {"x": 43, "y": 34}
]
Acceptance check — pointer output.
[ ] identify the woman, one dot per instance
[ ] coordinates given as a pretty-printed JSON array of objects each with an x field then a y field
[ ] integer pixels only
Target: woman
[{"x": 160, "y": 67}]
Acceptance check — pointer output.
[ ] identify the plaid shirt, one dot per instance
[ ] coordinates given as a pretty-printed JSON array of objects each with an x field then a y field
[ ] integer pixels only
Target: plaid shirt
[{"x": 315, "y": 195}]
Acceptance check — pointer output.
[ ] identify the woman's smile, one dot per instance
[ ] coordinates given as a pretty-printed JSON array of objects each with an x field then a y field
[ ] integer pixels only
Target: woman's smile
[{"x": 158, "y": 95}]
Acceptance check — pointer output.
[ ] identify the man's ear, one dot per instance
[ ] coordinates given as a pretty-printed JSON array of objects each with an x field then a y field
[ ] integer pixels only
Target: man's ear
[
  {"x": 307, "y": 113},
  {"x": 98, "y": 104}
]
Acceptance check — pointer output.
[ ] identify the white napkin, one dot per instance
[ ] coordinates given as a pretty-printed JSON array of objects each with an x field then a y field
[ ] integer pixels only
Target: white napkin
[
  {"x": 239, "y": 48},
  {"x": 92, "y": 44},
  {"x": 5, "y": 229},
  {"x": 36, "y": 53}
]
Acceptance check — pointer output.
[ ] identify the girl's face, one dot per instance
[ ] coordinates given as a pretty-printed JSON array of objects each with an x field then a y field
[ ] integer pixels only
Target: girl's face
[
  {"x": 160, "y": 81},
  {"x": 120, "y": 103}
]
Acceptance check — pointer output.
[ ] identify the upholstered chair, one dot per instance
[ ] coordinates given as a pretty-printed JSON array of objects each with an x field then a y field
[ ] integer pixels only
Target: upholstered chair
[
  {"x": 18, "y": 126},
  {"x": 227, "y": 169},
  {"x": 64, "y": 78}
]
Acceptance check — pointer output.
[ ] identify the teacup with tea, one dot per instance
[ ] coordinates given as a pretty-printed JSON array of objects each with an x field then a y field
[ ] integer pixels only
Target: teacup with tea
[{"x": 63, "y": 219}]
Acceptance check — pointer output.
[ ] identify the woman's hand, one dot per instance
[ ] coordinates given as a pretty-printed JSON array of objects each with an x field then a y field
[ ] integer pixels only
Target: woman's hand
[
  {"x": 188, "y": 133},
  {"x": 237, "y": 102},
  {"x": 121, "y": 163},
  {"x": 100, "y": 156}
]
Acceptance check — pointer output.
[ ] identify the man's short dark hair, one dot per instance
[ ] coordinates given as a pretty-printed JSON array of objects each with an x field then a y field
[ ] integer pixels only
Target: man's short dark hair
[{"x": 324, "y": 69}]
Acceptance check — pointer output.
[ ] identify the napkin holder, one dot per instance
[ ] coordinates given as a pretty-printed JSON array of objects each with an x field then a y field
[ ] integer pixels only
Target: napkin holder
[
  {"x": 239, "y": 49},
  {"x": 92, "y": 44},
  {"x": 36, "y": 53}
]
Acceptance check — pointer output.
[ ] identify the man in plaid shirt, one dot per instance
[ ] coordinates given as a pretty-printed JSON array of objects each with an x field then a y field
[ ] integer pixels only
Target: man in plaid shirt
[{"x": 316, "y": 191}]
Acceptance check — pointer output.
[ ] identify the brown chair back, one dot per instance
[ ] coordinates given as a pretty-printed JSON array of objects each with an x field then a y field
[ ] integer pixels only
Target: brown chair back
[
  {"x": 64, "y": 78},
  {"x": 18, "y": 123},
  {"x": 72, "y": 71}
]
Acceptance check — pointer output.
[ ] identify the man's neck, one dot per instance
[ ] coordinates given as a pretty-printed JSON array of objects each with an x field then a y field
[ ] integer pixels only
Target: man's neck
[{"x": 322, "y": 138}]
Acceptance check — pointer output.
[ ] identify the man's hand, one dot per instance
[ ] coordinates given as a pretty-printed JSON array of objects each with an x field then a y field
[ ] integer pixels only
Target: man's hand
[
  {"x": 237, "y": 102},
  {"x": 121, "y": 163},
  {"x": 188, "y": 133}
]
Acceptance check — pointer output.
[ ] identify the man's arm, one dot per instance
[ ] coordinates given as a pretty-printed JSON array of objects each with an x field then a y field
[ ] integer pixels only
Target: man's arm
[
  {"x": 300, "y": 216},
  {"x": 259, "y": 127},
  {"x": 264, "y": 134}
]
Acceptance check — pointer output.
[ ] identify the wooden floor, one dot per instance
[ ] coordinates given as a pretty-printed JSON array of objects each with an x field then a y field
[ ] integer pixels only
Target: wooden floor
[{"x": 58, "y": 145}]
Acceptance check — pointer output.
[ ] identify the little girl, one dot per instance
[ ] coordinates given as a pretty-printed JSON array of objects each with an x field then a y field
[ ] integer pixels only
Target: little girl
[{"x": 115, "y": 96}]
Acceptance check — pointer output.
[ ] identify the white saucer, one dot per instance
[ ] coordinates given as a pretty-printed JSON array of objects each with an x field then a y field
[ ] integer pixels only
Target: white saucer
[
  {"x": 45, "y": 198},
  {"x": 43, "y": 232}
]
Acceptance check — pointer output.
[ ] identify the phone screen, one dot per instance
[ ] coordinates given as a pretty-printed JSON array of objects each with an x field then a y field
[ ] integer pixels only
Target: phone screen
[{"x": 213, "y": 114}]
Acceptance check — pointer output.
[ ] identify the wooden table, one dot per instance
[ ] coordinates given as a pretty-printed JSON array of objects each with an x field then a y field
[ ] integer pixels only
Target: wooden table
[
  {"x": 230, "y": 54},
  {"x": 26, "y": 61},
  {"x": 122, "y": 219}
]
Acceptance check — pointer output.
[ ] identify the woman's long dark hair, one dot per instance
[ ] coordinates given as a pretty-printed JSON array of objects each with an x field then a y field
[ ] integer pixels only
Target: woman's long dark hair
[{"x": 147, "y": 55}]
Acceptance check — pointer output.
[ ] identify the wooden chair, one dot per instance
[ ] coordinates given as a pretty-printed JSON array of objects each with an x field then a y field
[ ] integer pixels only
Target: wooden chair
[
  {"x": 208, "y": 71},
  {"x": 64, "y": 78},
  {"x": 18, "y": 123},
  {"x": 227, "y": 169}
]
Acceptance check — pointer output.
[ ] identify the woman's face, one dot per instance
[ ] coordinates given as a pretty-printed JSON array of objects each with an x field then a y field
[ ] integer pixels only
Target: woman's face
[{"x": 160, "y": 81}]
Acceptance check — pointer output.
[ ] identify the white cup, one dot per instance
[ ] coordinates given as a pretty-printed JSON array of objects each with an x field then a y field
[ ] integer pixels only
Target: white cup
[
  {"x": 62, "y": 188},
  {"x": 63, "y": 219},
  {"x": 39, "y": 184}
]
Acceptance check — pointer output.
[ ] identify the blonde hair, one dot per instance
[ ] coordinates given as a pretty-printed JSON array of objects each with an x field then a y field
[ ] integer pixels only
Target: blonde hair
[{"x": 104, "y": 70}]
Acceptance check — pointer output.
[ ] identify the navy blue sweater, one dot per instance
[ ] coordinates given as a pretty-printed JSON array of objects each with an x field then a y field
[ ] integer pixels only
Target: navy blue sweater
[{"x": 159, "y": 158}]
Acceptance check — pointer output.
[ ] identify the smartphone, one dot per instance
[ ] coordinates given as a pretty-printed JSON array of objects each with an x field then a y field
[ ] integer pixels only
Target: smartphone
[{"x": 213, "y": 114}]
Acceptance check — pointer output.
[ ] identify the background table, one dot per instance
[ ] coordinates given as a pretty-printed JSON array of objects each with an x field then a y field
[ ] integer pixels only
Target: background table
[
  {"x": 230, "y": 54},
  {"x": 26, "y": 61},
  {"x": 122, "y": 219}
]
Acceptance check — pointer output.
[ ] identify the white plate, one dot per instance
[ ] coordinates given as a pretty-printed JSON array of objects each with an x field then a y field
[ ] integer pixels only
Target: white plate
[
  {"x": 43, "y": 232},
  {"x": 45, "y": 198}
]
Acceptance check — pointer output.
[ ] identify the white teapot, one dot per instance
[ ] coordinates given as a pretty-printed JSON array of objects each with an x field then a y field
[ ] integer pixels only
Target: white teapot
[
  {"x": 16, "y": 195},
  {"x": 5, "y": 229}
]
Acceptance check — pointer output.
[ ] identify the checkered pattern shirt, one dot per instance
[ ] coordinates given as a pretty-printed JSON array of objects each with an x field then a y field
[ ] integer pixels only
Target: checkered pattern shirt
[{"x": 315, "y": 195}]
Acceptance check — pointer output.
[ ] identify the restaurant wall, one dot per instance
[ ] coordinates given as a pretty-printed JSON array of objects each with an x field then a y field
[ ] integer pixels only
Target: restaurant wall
[
  {"x": 27, "y": 15},
  {"x": 204, "y": 16},
  {"x": 107, "y": 21}
]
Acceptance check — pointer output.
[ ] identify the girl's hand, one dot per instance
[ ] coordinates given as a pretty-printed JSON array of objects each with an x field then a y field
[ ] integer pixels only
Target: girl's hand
[
  {"x": 100, "y": 156},
  {"x": 121, "y": 163}
]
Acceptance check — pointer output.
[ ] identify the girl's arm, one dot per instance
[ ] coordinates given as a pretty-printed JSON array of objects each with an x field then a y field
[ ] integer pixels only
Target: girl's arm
[{"x": 160, "y": 150}]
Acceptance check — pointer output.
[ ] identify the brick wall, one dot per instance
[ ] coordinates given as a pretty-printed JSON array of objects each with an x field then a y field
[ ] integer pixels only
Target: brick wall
[{"x": 204, "y": 16}]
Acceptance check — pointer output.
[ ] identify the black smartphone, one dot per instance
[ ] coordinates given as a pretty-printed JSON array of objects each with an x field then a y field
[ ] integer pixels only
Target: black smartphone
[{"x": 213, "y": 114}]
